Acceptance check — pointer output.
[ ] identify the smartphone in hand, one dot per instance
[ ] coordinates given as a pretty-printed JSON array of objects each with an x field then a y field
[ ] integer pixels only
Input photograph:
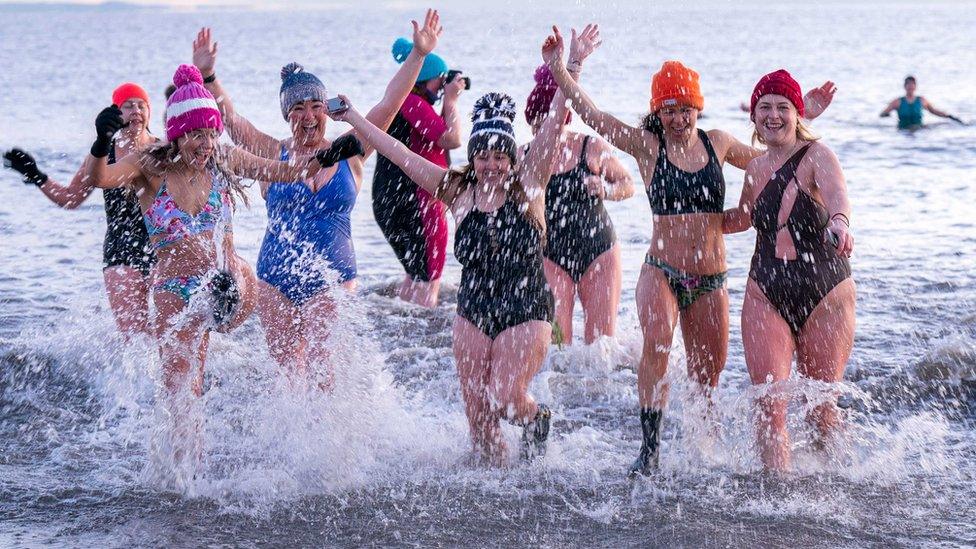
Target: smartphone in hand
[{"x": 336, "y": 105}]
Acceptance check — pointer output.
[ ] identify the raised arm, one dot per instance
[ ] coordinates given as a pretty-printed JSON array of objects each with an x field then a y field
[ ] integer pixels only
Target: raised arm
[
  {"x": 68, "y": 197},
  {"x": 424, "y": 41},
  {"x": 626, "y": 138},
  {"x": 535, "y": 170},
  {"x": 251, "y": 166},
  {"x": 96, "y": 168},
  {"x": 240, "y": 129},
  {"x": 422, "y": 171}
]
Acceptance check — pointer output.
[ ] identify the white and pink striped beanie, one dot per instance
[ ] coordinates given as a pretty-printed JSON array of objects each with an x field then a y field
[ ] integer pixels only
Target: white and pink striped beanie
[{"x": 191, "y": 106}]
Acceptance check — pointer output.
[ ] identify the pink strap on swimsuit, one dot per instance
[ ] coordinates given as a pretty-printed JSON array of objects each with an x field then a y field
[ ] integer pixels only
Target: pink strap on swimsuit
[{"x": 166, "y": 220}]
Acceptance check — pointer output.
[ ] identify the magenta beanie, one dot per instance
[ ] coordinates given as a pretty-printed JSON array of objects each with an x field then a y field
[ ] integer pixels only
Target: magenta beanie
[{"x": 191, "y": 106}]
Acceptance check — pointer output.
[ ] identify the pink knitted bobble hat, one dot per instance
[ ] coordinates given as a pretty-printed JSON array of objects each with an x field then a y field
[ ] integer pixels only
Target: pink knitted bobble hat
[{"x": 191, "y": 106}]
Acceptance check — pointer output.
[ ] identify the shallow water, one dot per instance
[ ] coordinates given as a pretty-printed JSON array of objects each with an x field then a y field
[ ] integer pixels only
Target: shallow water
[{"x": 385, "y": 462}]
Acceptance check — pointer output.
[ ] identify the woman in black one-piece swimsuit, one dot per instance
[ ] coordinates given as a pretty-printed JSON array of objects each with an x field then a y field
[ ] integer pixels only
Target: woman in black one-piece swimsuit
[{"x": 800, "y": 296}]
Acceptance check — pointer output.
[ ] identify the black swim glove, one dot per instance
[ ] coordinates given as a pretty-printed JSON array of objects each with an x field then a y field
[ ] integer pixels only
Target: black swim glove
[
  {"x": 107, "y": 123},
  {"x": 21, "y": 161},
  {"x": 341, "y": 149}
]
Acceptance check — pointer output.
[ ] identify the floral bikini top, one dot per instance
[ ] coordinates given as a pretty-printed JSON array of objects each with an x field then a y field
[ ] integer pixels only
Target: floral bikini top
[{"x": 166, "y": 220}]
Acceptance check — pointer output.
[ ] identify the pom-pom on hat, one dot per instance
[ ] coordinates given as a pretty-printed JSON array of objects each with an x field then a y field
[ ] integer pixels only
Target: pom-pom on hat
[
  {"x": 434, "y": 65},
  {"x": 675, "y": 84},
  {"x": 780, "y": 83},
  {"x": 492, "y": 130},
  {"x": 297, "y": 86},
  {"x": 191, "y": 106},
  {"x": 540, "y": 98},
  {"x": 128, "y": 91}
]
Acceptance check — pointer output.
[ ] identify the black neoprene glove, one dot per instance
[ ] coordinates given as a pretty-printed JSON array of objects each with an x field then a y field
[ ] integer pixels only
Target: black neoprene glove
[
  {"x": 107, "y": 123},
  {"x": 21, "y": 161},
  {"x": 341, "y": 149}
]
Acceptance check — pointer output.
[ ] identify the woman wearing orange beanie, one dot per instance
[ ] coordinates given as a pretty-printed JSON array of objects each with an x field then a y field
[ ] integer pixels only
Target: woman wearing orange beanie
[
  {"x": 127, "y": 256},
  {"x": 683, "y": 276}
]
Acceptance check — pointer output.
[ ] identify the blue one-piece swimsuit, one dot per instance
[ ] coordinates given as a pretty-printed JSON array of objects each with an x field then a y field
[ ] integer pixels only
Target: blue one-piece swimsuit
[{"x": 308, "y": 234}]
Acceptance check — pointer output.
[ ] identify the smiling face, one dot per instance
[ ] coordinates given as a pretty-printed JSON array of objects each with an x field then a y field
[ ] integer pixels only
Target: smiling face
[
  {"x": 491, "y": 168},
  {"x": 776, "y": 119},
  {"x": 307, "y": 120},
  {"x": 196, "y": 148},
  {"x": 135, "y": 113},
  {"x": 679, "y": 121}
]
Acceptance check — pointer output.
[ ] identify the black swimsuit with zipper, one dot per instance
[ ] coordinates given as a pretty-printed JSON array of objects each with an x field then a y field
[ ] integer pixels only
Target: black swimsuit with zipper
[
  {"x": 794, "y": 287},
  {"x": 502, "y": 280},
  {"x": 578, "y": 228},
  {"x": 126, "y": 241}
]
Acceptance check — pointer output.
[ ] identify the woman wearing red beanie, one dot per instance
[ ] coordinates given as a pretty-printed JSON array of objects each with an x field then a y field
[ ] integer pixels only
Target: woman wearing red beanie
[
  {"x": 126, "y": 254},
  {"x": 800, "y": 296},
  {"x": 683, "y": 276},
  {"x": 581, "y": 252}
]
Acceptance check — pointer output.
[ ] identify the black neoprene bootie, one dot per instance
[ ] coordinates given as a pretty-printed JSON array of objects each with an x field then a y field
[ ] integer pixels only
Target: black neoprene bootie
[
  {"x": 226, "y": 296},
  {"x": 536, "y": 434},
  {"x": 647, "y": 460},
  {"x": 342, "y": 148}
]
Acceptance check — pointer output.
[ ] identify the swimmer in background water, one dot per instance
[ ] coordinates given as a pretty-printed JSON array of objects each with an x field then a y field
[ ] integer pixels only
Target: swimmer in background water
[{"x": 909, "y": 108}]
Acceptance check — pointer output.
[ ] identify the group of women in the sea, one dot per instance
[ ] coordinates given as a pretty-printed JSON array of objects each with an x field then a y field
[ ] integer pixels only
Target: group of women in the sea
[{"x": 532, "y": 230}]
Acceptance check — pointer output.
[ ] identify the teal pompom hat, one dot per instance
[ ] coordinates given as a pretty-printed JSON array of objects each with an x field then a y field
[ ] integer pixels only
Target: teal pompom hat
[{"x": 434, "y": 65}]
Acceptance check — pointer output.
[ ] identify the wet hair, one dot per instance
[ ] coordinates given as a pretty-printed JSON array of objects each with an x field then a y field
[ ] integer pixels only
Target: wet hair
[
  {"x": 910, "y": 78},
  {"x": 652, "y": 123},
  {"x": 458, "y": 180},
  {"x": 158, "y": 158}
]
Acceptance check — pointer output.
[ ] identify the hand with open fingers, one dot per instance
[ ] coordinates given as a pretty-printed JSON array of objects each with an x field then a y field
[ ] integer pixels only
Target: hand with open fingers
[
  {"x": 205, "y": 52},
  {"x": 425, "y": 38},
  {"x": 595, "y": 186},
  {"x": 552, "y": 48},
  {"x": 816, "y": 101},
  {"x": 583, "y": 44},
  {"x": 842, "y": 239}
]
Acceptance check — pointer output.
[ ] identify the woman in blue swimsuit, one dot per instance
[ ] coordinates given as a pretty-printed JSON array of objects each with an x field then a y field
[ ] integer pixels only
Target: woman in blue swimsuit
[{"x": 309, "y": 234}]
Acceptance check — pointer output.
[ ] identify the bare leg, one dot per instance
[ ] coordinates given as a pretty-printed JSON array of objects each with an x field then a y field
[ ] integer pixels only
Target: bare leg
[
  {"x": 768, "y": 345},
  {"x": 128, "y": 295},
  {"x": 516, "y": 357},
  {"x": 318, "y": 316},
  {"x": 564, "y": 291},
  {"x": 705, "y": 327},
  {"x": 599, "y": 291},
  {"x": 283, "y": 330},
  {"x": 823, "y": 347},
  {"x": 419, "y": 292},
  {"x": 657, "y": 309},
  {"x": 472, "y": 354}
]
